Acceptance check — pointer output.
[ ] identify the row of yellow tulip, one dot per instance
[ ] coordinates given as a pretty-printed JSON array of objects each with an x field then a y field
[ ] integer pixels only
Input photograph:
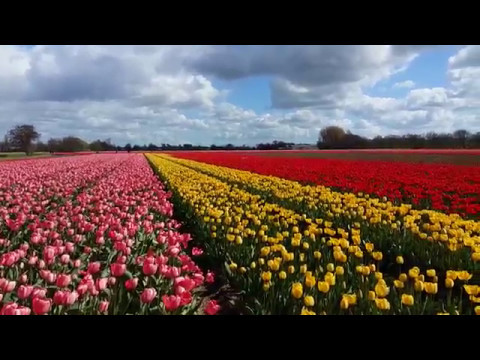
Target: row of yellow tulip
[
  {"x": 292, "y": 264},
  {"x": 456, "y": 242}
]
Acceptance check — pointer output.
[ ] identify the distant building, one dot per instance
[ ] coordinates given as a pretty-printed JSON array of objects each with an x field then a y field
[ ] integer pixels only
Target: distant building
[{"x": 304, "y": 147}]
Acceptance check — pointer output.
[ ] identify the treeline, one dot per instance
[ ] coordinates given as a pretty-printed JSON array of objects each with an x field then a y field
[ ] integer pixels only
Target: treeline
[{"x": 334, "y": 137}]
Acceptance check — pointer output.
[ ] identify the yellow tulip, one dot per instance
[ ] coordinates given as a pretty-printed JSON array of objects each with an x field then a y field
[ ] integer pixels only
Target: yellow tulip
[
  {"x": 297, "y": 290},
  {"x": 382, "y": 290},
  {"x": 371, "y": 295},
  {"x": 464, "y": 275},
  {"x": 366, "y": 271},
  {"x": 266, "y": 286},
  {"x": 474, "y": 299},
  {"x": 330, "y": 267},
  {"x": 330, "y": 278},
  {"x": 382, "y": 304},
  {"x": 323, "y": 286},
  {"x": 266, "y": 276},
  {"x": 476, "y": 256},
  {"x": 419, "y": 286},
  {"x": 351, "y": 298},
  {"x": 471, "y": 289},
  {"x": 253, "y": 265},
  {"x": 344, "y": 304},
  {"x": 378, "y": 275},
  {"x": 403, "y": 277},
  {"x": 339, "y": 270},
  {"x": 282, "y": 275},
  {"x": 291, "y": 269},
  {"x": 377, "y": 255},
  {"x": 431, "y": 273},
  {"x": 305, "y": 311},
  {"x": 309, "y": 301},
  {"x": 369, "y": 247},
  {"x": 399, "y": 260},
  {"x": 414, "y": 272},
  {"x": 261, "y": 261},
  {"x": 431, "y": 288},
  {"x": 243, "y": 270},
  {"x": 310, "y": 281},
  {"x": 477, "y": 310},
  {"x": 451, "y": 274},
  {"x": 398, "y": 284},
  {"x": 317, "y": 255},
  {"x": 407, "y": 300},
  {"x": 233, "y": 266},
  {"x": 449, "y": 283},
  {"x": 303, "y": 269}
]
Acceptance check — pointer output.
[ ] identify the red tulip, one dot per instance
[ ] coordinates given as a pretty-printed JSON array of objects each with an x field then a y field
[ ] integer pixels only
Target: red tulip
[
  {"x": 149, "y": 268},
  {"x": 210, "y": 277},
  {"x": 63, "y": 280},
  {"x": 171, "y": 302},
  {"x": 94, "y": 267},
  {"x": 41, "y": 306},
  {"x": 212, "y": 307},
  {"x": 118, "y": 270},
  {"x": 197, "y": 251},
  {"x": 131, "y": 284}
]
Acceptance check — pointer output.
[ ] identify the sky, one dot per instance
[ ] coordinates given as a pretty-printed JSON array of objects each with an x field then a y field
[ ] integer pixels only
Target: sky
[{"x": 239, "y": 94}]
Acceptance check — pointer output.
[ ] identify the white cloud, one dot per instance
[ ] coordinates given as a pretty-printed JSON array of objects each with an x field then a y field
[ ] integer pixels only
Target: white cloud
[
  {"x": 407, "y": 84},
  {"x": 168, "y": 94}
]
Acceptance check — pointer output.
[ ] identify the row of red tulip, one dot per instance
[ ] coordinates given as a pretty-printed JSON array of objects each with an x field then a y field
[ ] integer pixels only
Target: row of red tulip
[
  {"x": 448, "y": 188},
  {"x": 93, "y": 235}
]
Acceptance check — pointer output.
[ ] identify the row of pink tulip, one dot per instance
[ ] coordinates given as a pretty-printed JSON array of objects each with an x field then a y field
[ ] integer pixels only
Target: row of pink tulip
[{"x": 93, "y": 235}]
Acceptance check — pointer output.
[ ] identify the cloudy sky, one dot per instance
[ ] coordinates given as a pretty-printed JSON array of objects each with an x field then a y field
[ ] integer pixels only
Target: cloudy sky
[{"x": 240, "y": 94}]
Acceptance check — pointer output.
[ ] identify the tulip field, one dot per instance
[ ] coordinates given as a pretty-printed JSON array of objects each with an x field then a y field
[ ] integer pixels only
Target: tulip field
[
  {"x": 93, "y": 235},
  {"x": 152, "y": 234},
  {"x": 294, "y": 246}
]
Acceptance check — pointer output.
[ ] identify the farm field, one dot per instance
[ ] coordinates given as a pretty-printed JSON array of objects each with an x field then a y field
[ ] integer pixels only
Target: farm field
[
  {"x": 160, "y": 233},
  {"x": 92, "y": 235},
  {"x": 301, "y": 249},
  {"x": 445, "y": 187}
]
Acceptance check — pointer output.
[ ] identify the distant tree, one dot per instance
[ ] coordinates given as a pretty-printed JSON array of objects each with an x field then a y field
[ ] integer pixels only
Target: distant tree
[
  {"x": 331, "y": 136},
  {"x": 22, "y": 137},
  {"x": 461, "y": 136},
  {"x": 128, "y": 147}
]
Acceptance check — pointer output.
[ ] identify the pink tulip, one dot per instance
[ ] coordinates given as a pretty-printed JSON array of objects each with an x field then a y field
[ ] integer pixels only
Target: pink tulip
[
  {"x": 102, "y": 284},
  {"x": 171, "y": 302},
  {"x": 197, "y": 251},
  {"x": 148, "y": 295},
  {"x": 131, "y": 284},
  {"x": 24, "y": 291},
  {"x": 77, "y": 263},
  {"x": 32, "y": 260},
  {"x": 82, "y": 289},
  {"x": 9, "y": 286},
  {"x": 65, "y": 259},
  {"x": 51, "y": 278},
  {"x": 70, "y": 298},
  {"x": 41, "y": 264},
  {"x": 103, "y": 306},
  {"x": 212, "y": 307},
  {"x": 23, "y": 278},
  {"x": 118, "y": 270},
  {"x": 100, "y": 240},
  {"x": 39, "y": 292},
  {"x": 112, "y": 281},
  {"x": 41, "y": 306},
  {"x": 94, "y": 267},
  {"x": 87, "y": 250}
]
